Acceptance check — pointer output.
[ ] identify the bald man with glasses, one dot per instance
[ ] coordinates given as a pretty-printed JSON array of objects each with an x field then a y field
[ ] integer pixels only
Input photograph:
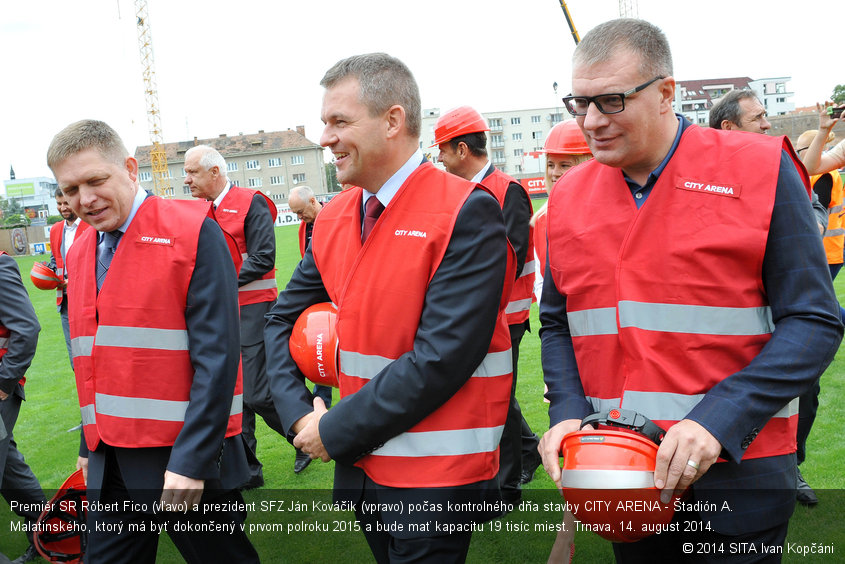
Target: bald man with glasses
[{"x": 708, "y": 309}]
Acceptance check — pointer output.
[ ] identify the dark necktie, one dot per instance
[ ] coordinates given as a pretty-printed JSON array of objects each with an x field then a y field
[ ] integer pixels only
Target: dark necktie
[
  {"x": 372, "y": 209},
  {"x": 105, "y": 253}
]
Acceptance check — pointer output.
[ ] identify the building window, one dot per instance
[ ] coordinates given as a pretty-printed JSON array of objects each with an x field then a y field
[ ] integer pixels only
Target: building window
[
  {"x": 535, "y": 119},
  {"x": 253, "y": 182},
  {"x": 517, "y": 152},
  {"x": 279, "y": 197},
  {"x": 517, "y": 168},
  {"x": 252, "y": 165},
  {"x": 274, "y": 162},
  {"x": 298, "y": 178},
  {"x": 186, "y": 190},
  {"x": 495, "y": 124},
  {"x": 231, "y": 167},
  {"x": 169, "y": 192},
  {"x": 517, "y": 136},
  {"x": 498, "y": 157},
  {"x": 514, "y": 121},
  {"x": 145, "y": 176},
  {"x": 497, "y": 140},
  {"x": 277, "y": 180},
  {"x": 781, "y": 100},
  {"x": 556, "y": 118},
  {"x": 297, "y": 159},
  {"x": 536, "y": 135}
]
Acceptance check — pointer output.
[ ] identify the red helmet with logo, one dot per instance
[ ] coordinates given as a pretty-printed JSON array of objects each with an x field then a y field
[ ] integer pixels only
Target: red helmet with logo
[
  {"x": 608, "y": 476},
  {"x": 457, "y": 122},
  {"x": 313, "y": 344},
  {"x": 61, "y": 534},
  {"x": 566, "y": 138},
  {"x": 43, "y": 277}
]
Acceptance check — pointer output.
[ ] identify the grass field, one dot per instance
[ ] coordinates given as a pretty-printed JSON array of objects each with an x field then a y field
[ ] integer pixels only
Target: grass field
[{"x": 51, "y": 409}]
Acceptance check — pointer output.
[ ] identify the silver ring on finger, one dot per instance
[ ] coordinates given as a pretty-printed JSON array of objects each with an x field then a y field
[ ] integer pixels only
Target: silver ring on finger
[{"x": 692, "y": 463}]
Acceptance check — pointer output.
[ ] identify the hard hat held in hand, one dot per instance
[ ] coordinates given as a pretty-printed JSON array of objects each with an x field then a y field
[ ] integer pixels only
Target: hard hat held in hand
[
  {"x": 61, "y": 535},
  {"x": 313, "y": 344},
  {"x": 608, "y": 476},
  {"x": 43, "y": 277}
]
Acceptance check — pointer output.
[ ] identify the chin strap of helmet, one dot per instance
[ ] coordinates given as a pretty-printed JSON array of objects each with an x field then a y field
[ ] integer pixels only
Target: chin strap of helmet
[{"x": 626, "y": 419}]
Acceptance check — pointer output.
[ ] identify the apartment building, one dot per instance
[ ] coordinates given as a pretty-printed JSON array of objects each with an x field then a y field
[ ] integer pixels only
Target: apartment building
[{"x": 694, "y": 98}]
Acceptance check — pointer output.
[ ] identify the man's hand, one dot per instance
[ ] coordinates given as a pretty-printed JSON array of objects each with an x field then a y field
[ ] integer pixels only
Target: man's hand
[
  {"x": 82, "y": 463},
  {"x": 550, "y": 446},
  {"x": 3, "y": 395},
  {"x": 308, "y": 439},
  {"x": 180, "y": 492},
  {"x": 684, "y": 456}
]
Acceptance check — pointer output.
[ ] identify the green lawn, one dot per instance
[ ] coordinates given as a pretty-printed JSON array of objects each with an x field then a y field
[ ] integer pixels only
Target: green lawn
[{"x": 51, "y": 409}]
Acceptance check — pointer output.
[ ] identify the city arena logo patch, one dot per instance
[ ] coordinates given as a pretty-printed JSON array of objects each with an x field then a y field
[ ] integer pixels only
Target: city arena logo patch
[
  {"x": 156, "y": 240},
  {"x": 227, "y": 210},
  {"x": 715, "y": 188},
  {"x": 410, "y": 233}
]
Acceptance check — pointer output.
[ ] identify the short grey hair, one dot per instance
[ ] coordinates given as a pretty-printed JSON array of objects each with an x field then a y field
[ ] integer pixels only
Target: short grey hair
[
  {"x": 727, "y": 108},
  {"x": 86, "y": 134},
  {"x": 209, "y": 157},
  {"x": 304, "y": 193},
  {"x": 385, "y": 81},
  {"x": 637, "y": 36}
]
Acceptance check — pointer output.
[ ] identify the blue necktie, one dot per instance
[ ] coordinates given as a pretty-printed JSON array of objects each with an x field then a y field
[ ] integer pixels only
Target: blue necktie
[{"x": 105, "y": 253}]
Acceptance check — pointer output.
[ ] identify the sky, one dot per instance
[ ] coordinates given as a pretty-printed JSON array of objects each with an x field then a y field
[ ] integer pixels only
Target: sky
[{"x": 238, "y": 67}]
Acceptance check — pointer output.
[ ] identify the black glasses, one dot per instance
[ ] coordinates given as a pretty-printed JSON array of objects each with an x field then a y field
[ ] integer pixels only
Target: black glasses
[{"x": 605, "y": 103}]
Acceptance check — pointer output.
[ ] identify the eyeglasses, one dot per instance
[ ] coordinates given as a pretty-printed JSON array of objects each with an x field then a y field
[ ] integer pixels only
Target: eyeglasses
[{"x": 605, "y": 103}]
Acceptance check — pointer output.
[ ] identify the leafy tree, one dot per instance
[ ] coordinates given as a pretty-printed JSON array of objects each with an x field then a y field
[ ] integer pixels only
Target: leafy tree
[{"x": 838, "y": 95}]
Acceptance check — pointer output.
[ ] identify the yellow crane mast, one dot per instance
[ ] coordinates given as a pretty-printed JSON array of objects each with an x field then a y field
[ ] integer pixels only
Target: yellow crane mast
[{"x": 158, "y": 157}]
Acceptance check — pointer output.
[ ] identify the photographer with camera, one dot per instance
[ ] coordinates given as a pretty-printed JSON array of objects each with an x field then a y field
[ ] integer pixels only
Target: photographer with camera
[{"x": 813, "y": 159}]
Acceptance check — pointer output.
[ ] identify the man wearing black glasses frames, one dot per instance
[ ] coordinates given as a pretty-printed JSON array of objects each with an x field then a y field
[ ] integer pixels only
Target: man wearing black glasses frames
[{"x": 673, "y": 257}]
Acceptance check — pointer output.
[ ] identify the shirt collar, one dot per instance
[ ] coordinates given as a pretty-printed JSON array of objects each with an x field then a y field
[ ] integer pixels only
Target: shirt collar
[
  {"x": 389, "y": 188},
  {"x": 140, "y": 196},
  {"x": 655, "y": 174},
  {"x": 479, "y": 176},
  {"x": 222, "y": 194}
]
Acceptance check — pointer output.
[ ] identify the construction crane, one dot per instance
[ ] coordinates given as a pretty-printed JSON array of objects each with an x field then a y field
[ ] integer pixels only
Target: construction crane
[
  {"x": 158, "y": 157},
  {"x": 568, "y": 17}
]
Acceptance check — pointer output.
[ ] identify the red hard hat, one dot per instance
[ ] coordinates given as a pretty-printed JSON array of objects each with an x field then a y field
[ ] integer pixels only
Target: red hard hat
[
  {"x": 43, "y": 276},
  {"x": 457, "y": 122},
  {"x": 61, "y": 534},
  {"x": 608, "y": 476},
  {"x": 566, "y": 139},
  {"x": 313, "y": 344}
]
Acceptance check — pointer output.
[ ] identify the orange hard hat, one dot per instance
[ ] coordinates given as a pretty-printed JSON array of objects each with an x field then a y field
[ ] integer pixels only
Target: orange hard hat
[
  {"x": 608, "y": 476},
  {"x": 566, "y": 138},
  {"x": 43, "y": 276},
  {"x": 313, "y": 344},
  {"x": 61, "y": 534},
  {"x": 456, "y": 122}
]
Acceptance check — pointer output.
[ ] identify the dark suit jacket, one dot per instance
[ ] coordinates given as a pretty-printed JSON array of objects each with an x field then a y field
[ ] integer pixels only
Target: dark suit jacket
[
  {"x": 463, "y": 295},
  {"x": 199, "y": 452},
  {"x": 261, "y": 258},
  {"x": 18, "y": 316}
]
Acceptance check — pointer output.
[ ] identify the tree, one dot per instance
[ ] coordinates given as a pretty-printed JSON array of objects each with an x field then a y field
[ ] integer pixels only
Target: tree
[
  {"x": 838, "y": 95},
  {"x": 331, "y": 178}
]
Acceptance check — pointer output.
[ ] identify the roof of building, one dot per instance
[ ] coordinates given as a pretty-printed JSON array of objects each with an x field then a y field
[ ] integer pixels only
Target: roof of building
[
  {"x": 235, "y": 145},
  {"x": 701, "y": 88}
]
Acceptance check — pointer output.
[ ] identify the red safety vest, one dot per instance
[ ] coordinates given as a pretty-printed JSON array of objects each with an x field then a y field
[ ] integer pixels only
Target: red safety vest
[
  {"x": 380, "y": 295},
  {"x": 56, "y": 239},
  {"x": 666, "y": 301},
  {"x": 522, "y": 295},
  {"x": 302, "y": 242},
  {"x": 834, "y": 237},
  {"x": 231, "y": 214},
  {"x": 130, "y": 342}
]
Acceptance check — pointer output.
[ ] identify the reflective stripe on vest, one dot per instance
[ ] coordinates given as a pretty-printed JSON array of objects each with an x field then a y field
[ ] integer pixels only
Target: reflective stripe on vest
[
  {"x": 142, "y": 338},
  {"x": 454, "y": 442},
  {"x": 666, "y": 406},
  {"x": 607, "y": 479},
  {"x": 268, "y": 284},
  {"x": 367, "y": 366},
  {"x": 673, "y": 318},
  {"x": 144, "y": 408}
]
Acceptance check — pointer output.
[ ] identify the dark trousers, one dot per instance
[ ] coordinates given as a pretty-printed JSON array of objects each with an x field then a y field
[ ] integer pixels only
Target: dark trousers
[
  {"x": 130, "y": 537},
  {"x": 257, "y": 399},
  {"x": 706, "y": 546},
  {"x": 446, "y": 549},
  {"x": 517, "y": 436},
  {"x": 17, "y": 482}
]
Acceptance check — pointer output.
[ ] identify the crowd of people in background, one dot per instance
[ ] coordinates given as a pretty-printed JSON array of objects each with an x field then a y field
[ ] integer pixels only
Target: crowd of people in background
[{"x": 709, "y": 311}]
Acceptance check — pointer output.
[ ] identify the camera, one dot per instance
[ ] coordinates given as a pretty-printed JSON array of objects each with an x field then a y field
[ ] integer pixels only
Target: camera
[{"x": 835, "y": 113}]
